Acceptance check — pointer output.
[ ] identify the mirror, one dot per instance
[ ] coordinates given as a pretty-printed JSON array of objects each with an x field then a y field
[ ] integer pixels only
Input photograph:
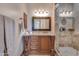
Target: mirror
[
  {"x": 41, "y": 23},
  {"x": 67, "y": 22}
]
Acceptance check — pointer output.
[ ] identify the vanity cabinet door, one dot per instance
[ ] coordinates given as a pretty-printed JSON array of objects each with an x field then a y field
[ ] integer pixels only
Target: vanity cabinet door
[{"x": 45, "y": 44}]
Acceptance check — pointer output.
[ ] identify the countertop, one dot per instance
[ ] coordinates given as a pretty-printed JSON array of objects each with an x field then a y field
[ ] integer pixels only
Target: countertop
[{"x": 37, "y": 34}]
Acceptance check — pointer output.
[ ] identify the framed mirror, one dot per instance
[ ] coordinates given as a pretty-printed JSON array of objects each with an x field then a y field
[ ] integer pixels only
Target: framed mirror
[
  {"x": 66, "y": 23},
  {"x": 41, "y": 24}
]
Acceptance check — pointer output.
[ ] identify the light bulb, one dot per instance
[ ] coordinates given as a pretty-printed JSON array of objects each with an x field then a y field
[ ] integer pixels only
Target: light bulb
[
  {"x": 71, "y": 12},
  {"x": 63, "y": 13},
  {"x": 67, "y": 13}
]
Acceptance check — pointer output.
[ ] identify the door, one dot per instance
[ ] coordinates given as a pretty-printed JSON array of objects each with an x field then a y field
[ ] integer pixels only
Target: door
[
  {"x": 1, "y": 34},
  {"x": 10, "y": 34}
]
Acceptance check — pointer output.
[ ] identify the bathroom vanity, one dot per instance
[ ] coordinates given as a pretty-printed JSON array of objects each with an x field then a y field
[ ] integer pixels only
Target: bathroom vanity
[
  {"x": 38, "y": 44},
  {"x": 41, "y": 39}
]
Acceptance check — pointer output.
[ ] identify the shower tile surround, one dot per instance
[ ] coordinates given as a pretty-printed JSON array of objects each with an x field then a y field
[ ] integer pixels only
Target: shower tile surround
[{"x": 67, "y": 38}]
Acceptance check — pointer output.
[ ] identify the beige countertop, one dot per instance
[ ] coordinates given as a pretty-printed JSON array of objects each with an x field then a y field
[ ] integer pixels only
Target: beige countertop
[{"x": 37, "y": 34}]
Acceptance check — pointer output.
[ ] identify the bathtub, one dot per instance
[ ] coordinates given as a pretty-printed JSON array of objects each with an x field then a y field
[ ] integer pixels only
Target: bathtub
[{"x": 66, "y": 51}]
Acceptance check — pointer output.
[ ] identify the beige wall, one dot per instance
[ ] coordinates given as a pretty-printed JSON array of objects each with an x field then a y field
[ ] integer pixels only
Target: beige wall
[{"x": 50, "y": 7}]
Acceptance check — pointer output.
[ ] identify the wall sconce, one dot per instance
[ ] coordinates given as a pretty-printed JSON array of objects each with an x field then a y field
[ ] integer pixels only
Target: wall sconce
[
  {"x": 20, "y": 20},
  {"x": 41, "y": 12}
]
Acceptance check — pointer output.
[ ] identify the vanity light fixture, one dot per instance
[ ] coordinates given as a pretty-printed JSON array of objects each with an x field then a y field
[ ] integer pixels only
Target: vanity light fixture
[
  {"x": 66, "y": 14},
  {"x": 41, "y": 12}
]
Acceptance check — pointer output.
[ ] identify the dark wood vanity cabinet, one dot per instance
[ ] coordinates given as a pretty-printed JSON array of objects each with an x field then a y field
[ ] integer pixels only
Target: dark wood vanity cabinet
[{"x": 38, "y": 45}]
